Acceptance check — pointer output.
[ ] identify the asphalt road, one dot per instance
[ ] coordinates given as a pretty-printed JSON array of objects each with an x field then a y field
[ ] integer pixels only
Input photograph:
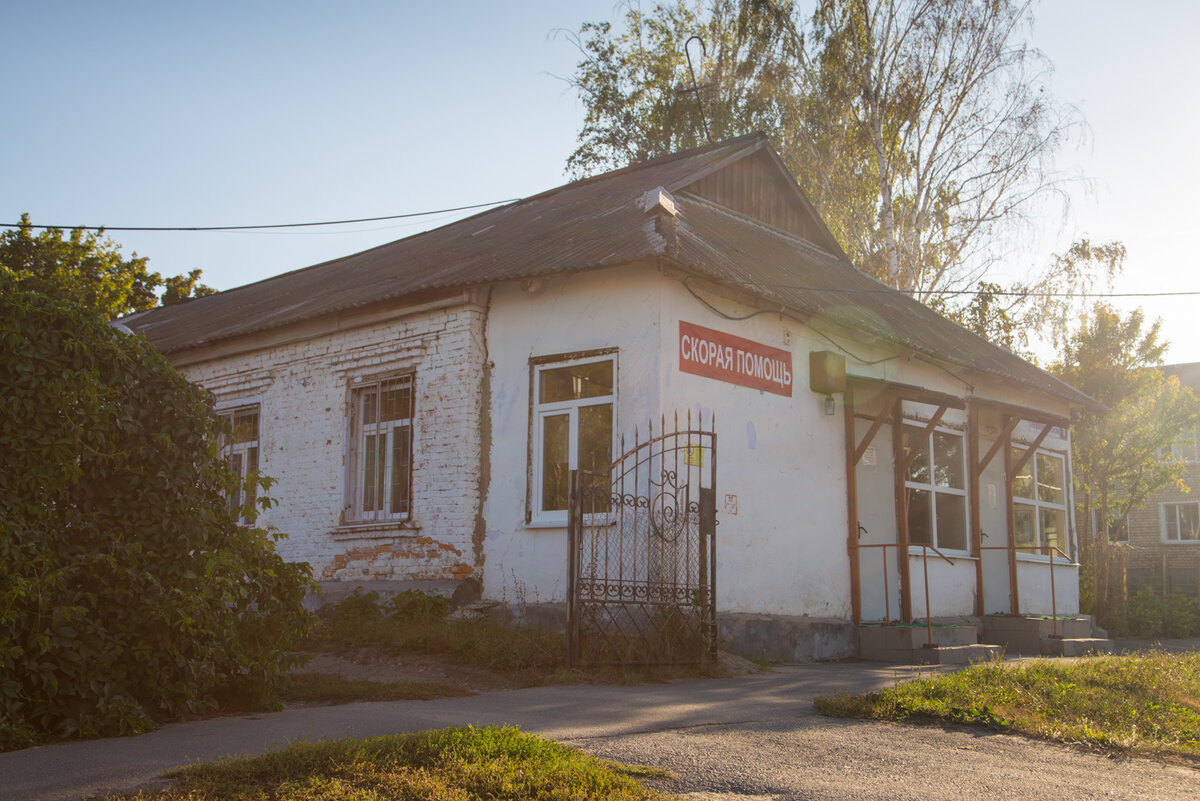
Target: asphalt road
[{"x": 748, "y": 737}]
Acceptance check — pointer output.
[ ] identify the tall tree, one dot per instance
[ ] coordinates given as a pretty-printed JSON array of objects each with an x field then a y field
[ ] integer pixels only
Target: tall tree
[
  {"x": 88, "y": 269},
  {"x": 1117, "y": 456},
  {"x": 921, "y": 129}
]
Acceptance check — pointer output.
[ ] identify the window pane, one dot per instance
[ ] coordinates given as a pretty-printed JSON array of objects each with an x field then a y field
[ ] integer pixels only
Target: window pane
[
  {"x": 401, "y": 458},
  {"x": 245, "y": 426},
  {"x": 595, "y": 438},
  {"x": 1050, "y": 479},
  {"x": 575, "y": 382},
  {"x": 1189, "y": 521},
  {"x": 918, "y": 471},
  {"x": 1171, "y": 512},
  {"x": 1025, "y": 527},
  {"x": 368, "y": 407},
  {"x": 1022, "y": 481},
  {"x": 919, "y": 518},
  {"x": 948, "y": 461},
  {"x": 951, "y": 521},
  {"x": 372, "y": 476},
  {"x": 235, "y": 464},
  {"x": 1185, "y": 447},
  {"x": 555, "y": 452},
  {"x": 1054, "y": 527},
  {"x": 395, "y": 400}
]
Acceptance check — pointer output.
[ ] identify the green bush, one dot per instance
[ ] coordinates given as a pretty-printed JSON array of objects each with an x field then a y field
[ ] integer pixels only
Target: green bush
[
  {"x": 129, "y": 590},
  {"x": 1152, "y": 614},
  {"x": 414, "y": 606}
]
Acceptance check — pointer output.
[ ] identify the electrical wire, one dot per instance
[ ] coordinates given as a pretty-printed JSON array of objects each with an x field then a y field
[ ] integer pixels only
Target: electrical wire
[
  {"x": 1002, "y": 293},
  {"x": 259, "y": 227},
  {"x": 799, "y": 320}
]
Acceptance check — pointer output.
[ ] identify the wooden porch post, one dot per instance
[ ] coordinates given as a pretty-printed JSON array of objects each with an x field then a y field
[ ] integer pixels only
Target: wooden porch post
[
  {"x": 902, "y": 561},
  {"x": 973, "y": 500},
  {"x": 1010, "y": 511},
  {"x": 852, "y": 504}
]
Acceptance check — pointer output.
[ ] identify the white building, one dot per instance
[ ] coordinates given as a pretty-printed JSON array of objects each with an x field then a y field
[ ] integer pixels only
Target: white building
[{"x": 421, "y": 403}]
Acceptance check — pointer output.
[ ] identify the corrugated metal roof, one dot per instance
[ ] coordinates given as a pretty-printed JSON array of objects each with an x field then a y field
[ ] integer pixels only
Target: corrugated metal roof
[{"x": 593, "y": 223}]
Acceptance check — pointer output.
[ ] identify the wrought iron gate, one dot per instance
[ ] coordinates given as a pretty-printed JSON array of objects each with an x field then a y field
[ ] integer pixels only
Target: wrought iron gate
[{"x": 642, "y": 552}]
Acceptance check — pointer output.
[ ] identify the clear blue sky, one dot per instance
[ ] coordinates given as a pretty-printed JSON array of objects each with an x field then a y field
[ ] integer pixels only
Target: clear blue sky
[{"x": 224, "y": 113}]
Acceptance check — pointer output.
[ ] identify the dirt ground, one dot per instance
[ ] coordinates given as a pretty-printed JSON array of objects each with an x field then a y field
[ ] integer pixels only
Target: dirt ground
[{"x": 374, "y": 666}]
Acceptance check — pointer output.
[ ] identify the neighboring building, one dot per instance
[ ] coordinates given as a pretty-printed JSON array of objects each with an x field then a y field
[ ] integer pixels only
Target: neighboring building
[
  {"x": 1164, "y": 535},
  {"x": 422, "y": 404}
]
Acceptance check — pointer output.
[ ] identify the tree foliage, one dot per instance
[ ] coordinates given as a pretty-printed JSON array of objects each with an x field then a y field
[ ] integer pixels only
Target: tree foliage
[
  {"x": 129, "y": 590},
  {"x": 85, "y": 267},
  {"x": 921, "y": 129},
  {"x": 1041, "y": 311},
  {"x": 1117, "y": 455}
]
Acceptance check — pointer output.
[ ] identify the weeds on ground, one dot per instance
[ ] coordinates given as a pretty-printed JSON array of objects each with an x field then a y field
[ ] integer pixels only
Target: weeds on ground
[
  {"x": 414, "y": 622},
  {"x": 417, "y": 623},
  {"x": 455, "y": 763},
  {"x": 1147, "y": 704}
]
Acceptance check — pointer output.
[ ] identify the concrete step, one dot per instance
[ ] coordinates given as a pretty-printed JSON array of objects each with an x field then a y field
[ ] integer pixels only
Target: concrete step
[
  {"x": 906, "y": 643},
  {"x": 961, "y": 654},
  {"x": 1024, "y": 635},
  {"x": 1075, "y": 646}
]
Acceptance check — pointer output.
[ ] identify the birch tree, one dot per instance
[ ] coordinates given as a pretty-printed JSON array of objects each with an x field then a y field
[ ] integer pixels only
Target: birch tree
[{"x": 923, "y": 130}]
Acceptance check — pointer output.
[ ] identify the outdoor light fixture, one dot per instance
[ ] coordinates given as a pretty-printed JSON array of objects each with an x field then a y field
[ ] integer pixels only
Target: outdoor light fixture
[{"x": 827, "y": 375}]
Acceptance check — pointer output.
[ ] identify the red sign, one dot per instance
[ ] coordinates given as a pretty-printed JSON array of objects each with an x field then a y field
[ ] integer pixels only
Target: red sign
[{"x": 714, "y": 354}]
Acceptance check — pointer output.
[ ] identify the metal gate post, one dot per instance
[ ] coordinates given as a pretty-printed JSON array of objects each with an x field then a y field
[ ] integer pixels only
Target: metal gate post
[
  {"x": 708, "y": 525},
  {"x": 573, "y": 532}
]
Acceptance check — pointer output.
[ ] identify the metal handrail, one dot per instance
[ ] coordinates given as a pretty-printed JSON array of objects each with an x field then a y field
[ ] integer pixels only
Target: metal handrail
[
  {"x": 887, "y": 604},
  {"x": 887, "y": 592},
  {"x": 1050, "y": 563}
]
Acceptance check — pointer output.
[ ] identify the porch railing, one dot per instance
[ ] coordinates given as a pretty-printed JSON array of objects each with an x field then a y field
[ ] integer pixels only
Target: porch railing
[
  {"x": 887, "y": 593},
  {"x": 1050, "y": 563}
]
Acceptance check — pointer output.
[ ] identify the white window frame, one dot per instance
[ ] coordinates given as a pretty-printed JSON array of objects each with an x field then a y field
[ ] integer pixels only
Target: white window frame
[
  {"x": 358, "y": 432},
  {"x": 1171, "y": 509},
  {"x": 237, "y": 454},
  {"x": 536, "y": 517},
  {"x": 934, "y": 489},
  {"x": 1037, "y": 504}
]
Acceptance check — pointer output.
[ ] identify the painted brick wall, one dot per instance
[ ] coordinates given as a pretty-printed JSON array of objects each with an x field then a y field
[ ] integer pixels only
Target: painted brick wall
[{"x": 304, "y": 393}]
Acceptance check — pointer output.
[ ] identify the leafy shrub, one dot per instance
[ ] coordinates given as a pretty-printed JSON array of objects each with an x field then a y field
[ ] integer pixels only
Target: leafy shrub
[
  {"x": 414, "y": 606},
  {"x": 1152, "y": 614},
  {"x": 129, "y": 590}
]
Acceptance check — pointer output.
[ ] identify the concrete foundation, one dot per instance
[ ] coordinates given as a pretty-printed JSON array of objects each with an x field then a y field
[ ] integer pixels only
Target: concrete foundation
[{"x": 781, "y": 638}]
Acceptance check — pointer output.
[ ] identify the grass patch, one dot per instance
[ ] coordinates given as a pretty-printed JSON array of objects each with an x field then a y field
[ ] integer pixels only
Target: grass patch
[
  {"x": 1147, "y": 704},
  {"x": 329, "y": 688},
  {"x": 449, "y": 764}
]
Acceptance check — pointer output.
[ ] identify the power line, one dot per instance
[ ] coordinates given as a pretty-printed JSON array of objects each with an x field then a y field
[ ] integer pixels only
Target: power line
[
  {"x": 1004, "y": 293},
  {"x": 259, "y": 227}
]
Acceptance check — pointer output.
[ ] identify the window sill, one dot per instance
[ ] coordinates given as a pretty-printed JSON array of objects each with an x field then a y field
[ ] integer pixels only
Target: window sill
[
  {"x": 916, "y": 551},
  {"x": 1041, "y": 559},
  {"x": 376, "y": 530},
  {"x": 1173, "y": 543},
  {"x": 546, "y": 524}
]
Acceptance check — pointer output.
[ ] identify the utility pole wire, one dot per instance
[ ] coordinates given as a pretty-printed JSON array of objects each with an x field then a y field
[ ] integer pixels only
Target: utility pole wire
[{"x": 257, "y": 227}]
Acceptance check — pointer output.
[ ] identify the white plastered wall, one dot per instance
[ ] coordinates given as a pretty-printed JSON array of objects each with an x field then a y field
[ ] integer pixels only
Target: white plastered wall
[{"x": 597, "y": 310}]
